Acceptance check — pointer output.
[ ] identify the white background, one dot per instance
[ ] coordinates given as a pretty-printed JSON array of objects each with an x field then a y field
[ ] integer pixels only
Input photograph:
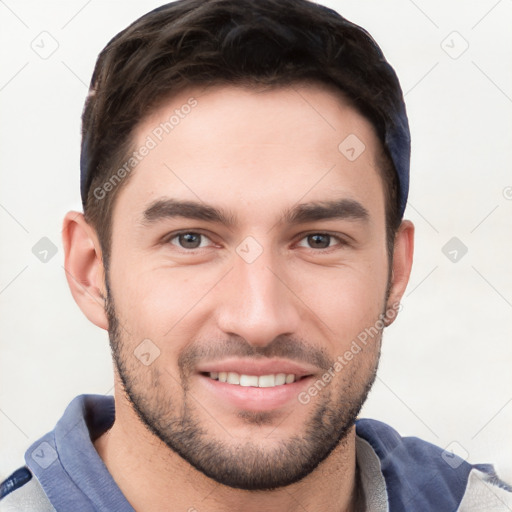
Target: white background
[{"x": 445, "y": 373}]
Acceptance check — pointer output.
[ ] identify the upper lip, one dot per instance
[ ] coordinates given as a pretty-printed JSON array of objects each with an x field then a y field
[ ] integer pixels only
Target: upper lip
[{"x": 258, "y": 367}]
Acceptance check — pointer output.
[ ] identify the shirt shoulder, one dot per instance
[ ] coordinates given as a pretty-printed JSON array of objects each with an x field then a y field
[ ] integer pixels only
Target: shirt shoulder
[
  {"x": 21, "y": 491},
  {"x": 422, "y": 476},
  {"x": 66, "y": 465},
  {"x": 486, "y": 491}
]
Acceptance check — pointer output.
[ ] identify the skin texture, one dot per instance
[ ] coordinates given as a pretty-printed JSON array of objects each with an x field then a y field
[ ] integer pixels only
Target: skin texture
[{"x": 279, "y": 297}]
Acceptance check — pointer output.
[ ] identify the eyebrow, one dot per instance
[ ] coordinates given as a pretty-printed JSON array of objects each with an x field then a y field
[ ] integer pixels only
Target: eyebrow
[
  {"x": 167, "y": 208},
  {"x": 324, "y": 210}
]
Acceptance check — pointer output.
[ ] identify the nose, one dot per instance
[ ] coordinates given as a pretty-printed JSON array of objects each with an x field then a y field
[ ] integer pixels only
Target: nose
[{"x": 256, "y": 302}]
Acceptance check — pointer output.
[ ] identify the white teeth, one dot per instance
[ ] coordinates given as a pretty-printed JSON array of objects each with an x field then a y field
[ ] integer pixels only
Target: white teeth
[
  {"x": 249, "y": 380},
  {"x": 280, "y": 379},
  {"x": 263, "y": 381},
  {"x": 267, "y": 381},
  {"x": 233, "y": 378}
]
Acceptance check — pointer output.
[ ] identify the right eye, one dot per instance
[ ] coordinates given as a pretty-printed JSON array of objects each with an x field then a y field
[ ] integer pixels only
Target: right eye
[{"x": 189, "y": 240}]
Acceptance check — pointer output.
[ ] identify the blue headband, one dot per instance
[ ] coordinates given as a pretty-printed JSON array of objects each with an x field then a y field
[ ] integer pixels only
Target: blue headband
[{"x": 398, "y": 142}]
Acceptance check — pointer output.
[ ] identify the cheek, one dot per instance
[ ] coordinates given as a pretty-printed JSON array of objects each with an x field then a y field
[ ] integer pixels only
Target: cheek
[
  {"x": 161, "y": 303},
  {"x": 347, "y": 299}
]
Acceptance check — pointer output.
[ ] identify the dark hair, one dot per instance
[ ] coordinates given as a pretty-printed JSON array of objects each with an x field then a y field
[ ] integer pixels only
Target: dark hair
[{"x": 252, "y": 43}]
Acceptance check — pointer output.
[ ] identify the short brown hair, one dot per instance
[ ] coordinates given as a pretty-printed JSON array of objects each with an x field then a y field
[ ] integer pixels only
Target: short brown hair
[{"x": 250, "y": 43}]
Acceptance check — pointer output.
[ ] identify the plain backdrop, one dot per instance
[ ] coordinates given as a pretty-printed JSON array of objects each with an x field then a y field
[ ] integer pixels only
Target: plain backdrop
[{"x": 445, "y": 373}]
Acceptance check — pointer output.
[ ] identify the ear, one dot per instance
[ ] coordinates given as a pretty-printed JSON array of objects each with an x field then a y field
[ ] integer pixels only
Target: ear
[
  {"x": 402, "y": 263},
  {"x": 83, "y": 264}
]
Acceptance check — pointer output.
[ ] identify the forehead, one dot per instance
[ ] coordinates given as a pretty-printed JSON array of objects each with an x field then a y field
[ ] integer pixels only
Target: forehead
[{"x": 243, "y": 148}]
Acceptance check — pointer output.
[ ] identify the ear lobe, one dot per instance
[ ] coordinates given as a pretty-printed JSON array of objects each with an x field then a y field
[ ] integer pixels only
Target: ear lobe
[
  {"x": 83, "y": 264},
  {"x": 402, "y": 264}
]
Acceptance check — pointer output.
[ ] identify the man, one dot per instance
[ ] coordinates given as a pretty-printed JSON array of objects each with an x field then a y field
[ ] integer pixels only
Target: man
[{"x": 244, "y": 175}]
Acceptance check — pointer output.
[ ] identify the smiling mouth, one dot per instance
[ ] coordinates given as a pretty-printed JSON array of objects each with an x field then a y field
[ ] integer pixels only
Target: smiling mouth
[{"x": 256, "y": 381}]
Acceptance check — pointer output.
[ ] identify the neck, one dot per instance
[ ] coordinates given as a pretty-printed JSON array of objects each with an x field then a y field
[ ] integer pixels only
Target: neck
[{"x": 151, "y": 476}]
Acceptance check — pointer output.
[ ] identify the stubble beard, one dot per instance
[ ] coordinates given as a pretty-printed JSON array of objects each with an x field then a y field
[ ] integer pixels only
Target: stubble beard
[{"x": 245, "y": 465}]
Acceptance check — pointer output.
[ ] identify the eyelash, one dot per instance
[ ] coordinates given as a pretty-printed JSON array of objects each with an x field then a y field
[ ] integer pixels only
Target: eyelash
[
  {"x": 341, "y": 241},
  {"x": 179, "y": 233}
]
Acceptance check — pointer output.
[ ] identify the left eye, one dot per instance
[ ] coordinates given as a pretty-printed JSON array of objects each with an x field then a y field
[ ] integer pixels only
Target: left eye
[
  {"x": 189, "y": 240},
  {"x": 318, "y": 240}
]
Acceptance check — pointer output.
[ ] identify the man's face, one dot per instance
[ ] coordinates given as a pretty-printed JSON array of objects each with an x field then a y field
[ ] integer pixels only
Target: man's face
[{"x": 272, "y": 285}]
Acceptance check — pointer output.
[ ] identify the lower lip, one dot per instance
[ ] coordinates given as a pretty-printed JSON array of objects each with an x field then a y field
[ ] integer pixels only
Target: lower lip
[{"x": 256, "y": 399}]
